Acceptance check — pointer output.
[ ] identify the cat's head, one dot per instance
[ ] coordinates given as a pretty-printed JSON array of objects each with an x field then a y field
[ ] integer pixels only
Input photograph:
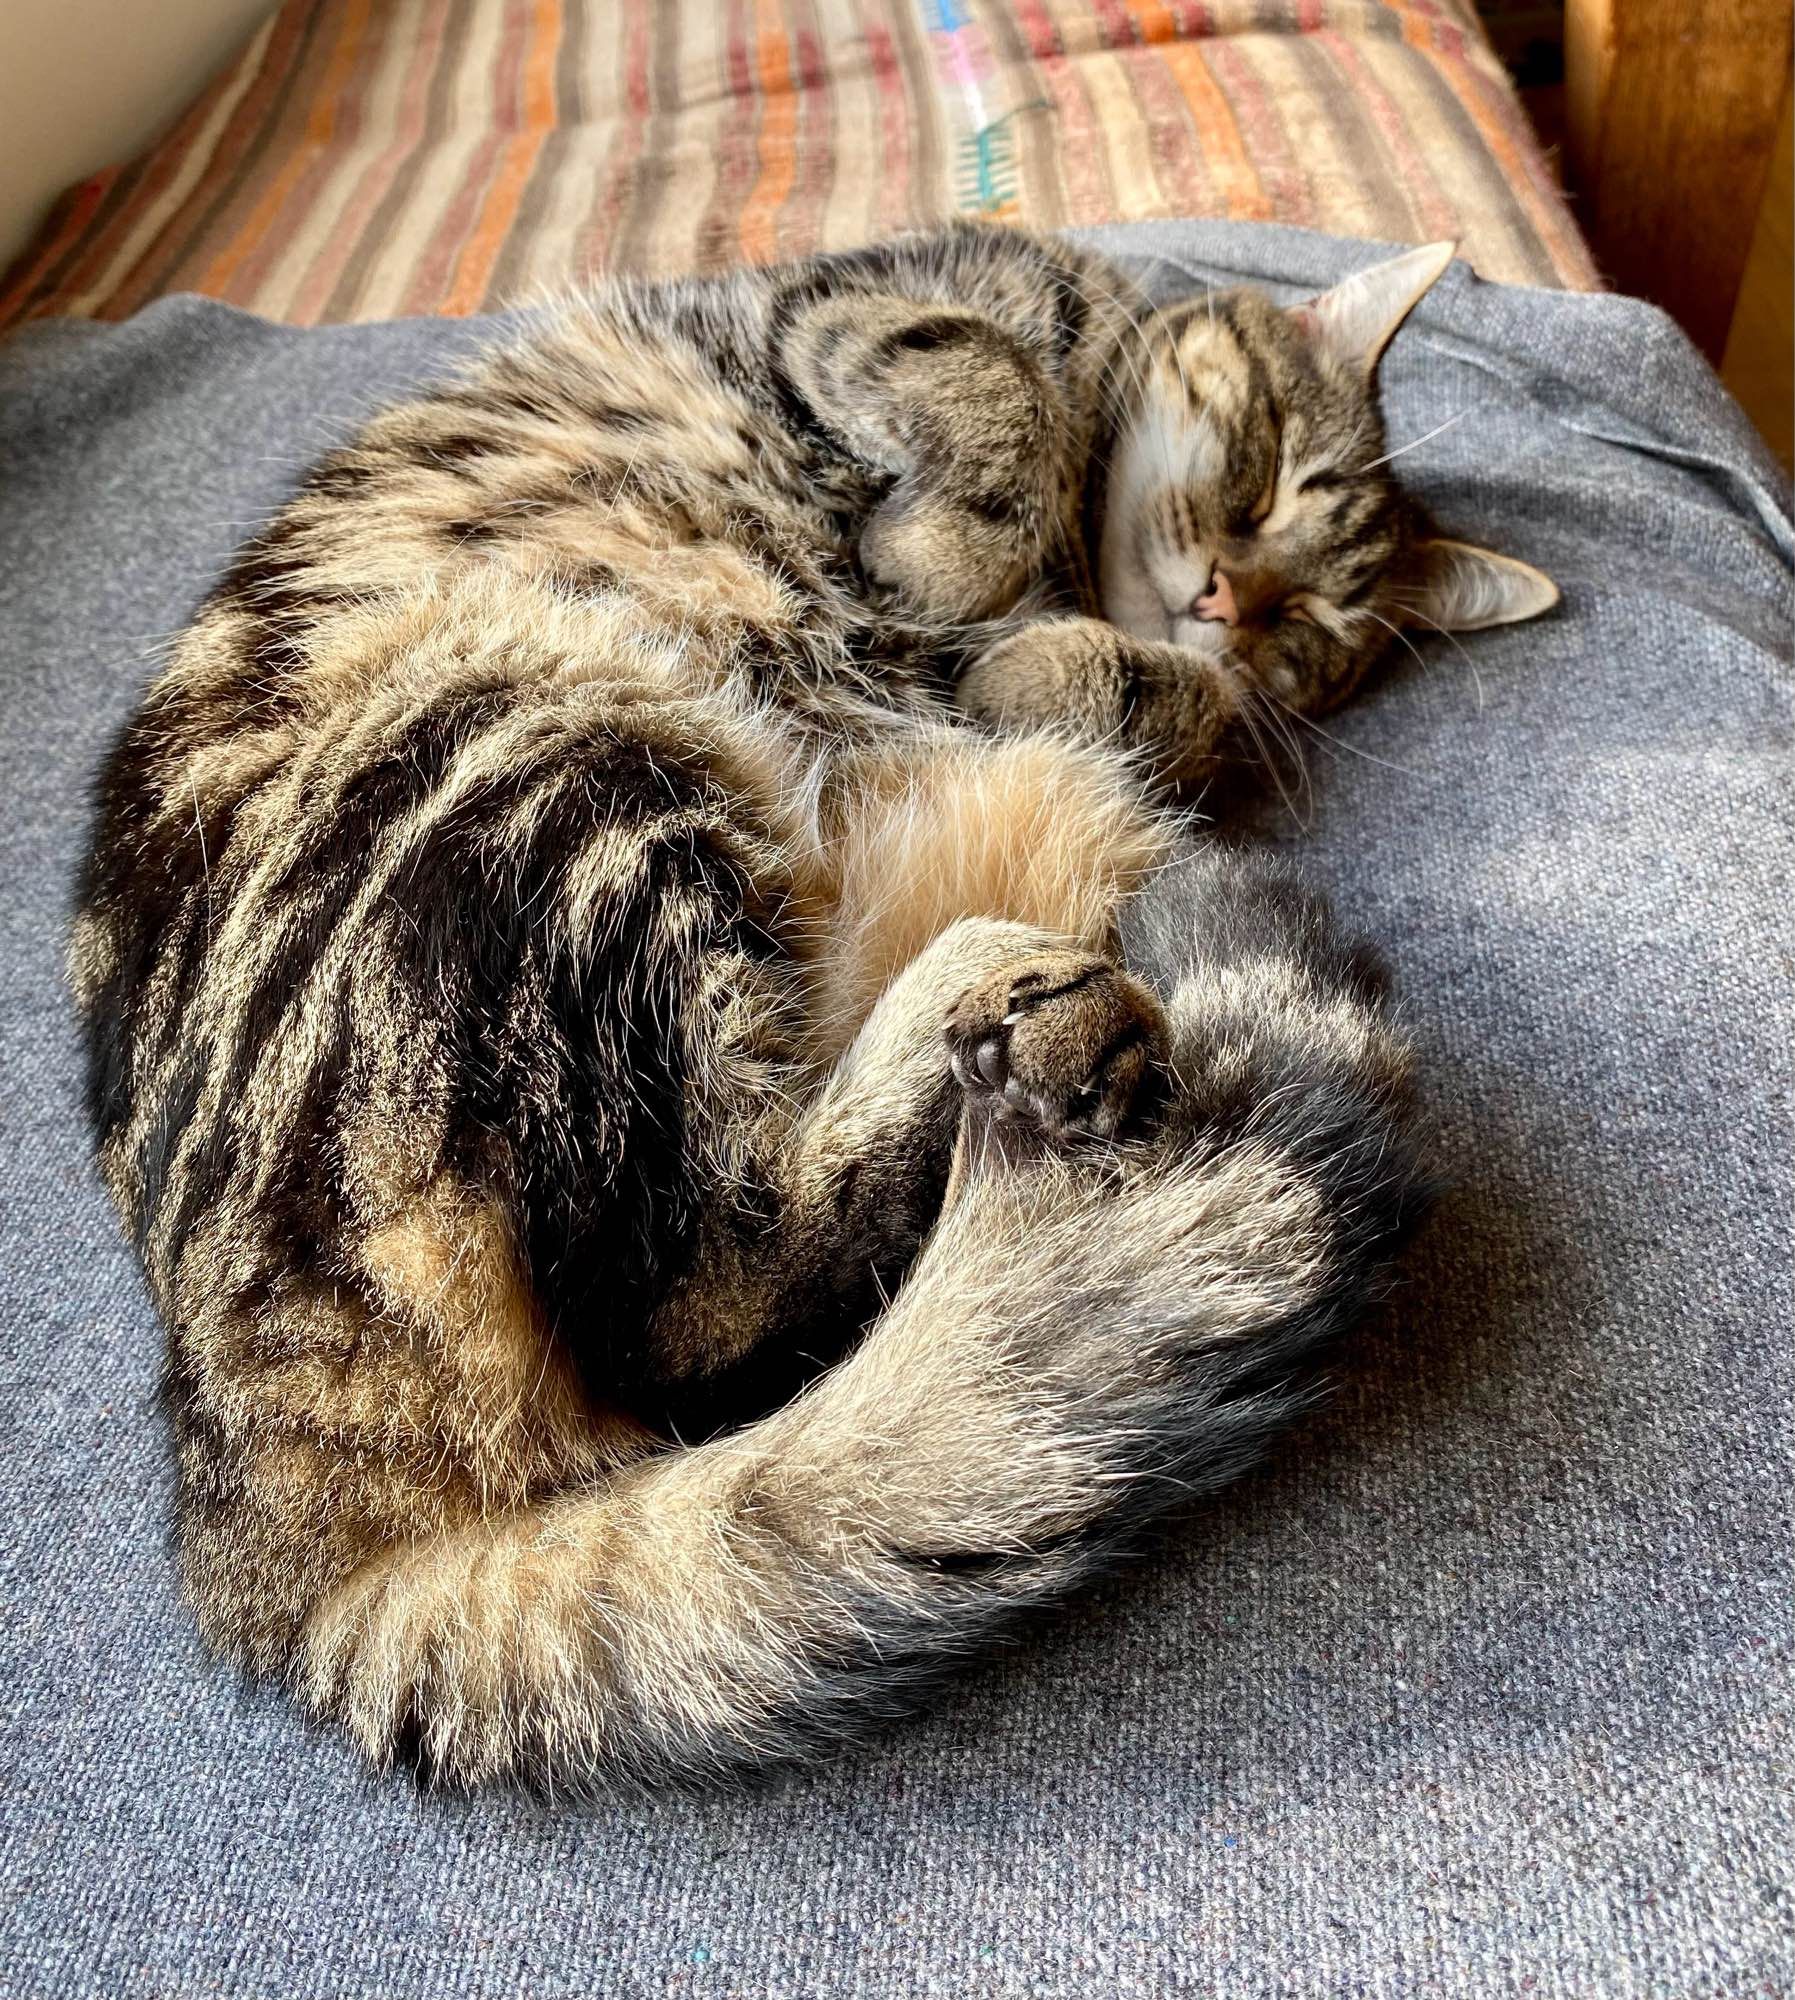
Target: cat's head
[{"x": 1248, "y": 509}]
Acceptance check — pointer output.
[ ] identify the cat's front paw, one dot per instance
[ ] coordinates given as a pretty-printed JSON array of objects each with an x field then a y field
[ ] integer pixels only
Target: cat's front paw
[
  {"x": 1065, "y": 1043},
  {"x": 939, "y": 560}
]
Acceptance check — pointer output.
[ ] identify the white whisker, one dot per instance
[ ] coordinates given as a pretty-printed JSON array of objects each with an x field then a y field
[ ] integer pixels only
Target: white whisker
[
  {"x": 1445, "y": 632},
  {"x": 1339, "y": 743},
  {"x": 1458, "y": 418}
]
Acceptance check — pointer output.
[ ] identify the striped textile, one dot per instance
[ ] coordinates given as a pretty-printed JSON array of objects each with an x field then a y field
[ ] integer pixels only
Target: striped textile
[{"x": 370, "y": 158}]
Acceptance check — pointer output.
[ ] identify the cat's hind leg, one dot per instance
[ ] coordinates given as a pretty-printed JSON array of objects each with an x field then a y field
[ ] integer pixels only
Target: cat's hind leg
[
  {"x": 976, "y": 890},
  {"x": 862, "y": 1173},
  {"x": 951, "y": 823}
]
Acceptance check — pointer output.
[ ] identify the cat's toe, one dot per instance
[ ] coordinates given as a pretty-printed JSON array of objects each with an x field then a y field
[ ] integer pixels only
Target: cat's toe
[{"x": 1066, "y": 1043}]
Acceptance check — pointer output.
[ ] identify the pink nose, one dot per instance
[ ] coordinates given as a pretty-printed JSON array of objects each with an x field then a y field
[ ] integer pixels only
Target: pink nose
[{"x": 1218, "y": 600}]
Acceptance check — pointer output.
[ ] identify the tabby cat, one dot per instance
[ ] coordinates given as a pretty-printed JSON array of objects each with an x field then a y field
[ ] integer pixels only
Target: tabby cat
[{"x": 651, "y": 877}]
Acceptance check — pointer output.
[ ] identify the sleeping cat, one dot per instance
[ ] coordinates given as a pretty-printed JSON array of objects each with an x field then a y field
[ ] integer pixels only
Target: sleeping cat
[{"x": 657, "y": 862}]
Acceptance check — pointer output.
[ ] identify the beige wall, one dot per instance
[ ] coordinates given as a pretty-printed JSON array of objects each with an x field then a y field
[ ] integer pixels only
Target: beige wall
[{"x": 83, "y": 82}]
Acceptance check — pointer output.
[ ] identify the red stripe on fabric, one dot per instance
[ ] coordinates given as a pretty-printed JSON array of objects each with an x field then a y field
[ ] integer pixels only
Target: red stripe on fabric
[
  {"x": 1177, "y": 157},
  {"x": 1088, "y": 192},
  {"x": 599, "y": 230},
  {"x": 75, "y": 211},
  {"x": 735, "y": 147},
  {"x": 1115, "y": 23},
  {"x": 894, "y": 127}
]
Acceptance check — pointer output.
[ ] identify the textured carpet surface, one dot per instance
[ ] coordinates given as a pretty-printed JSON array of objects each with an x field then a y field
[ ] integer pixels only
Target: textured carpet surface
[{"x": 1479, "y": 1688}]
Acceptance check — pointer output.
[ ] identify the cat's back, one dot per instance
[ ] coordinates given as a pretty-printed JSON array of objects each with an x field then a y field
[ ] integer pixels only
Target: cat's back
[{"x": 468, "y": 752}]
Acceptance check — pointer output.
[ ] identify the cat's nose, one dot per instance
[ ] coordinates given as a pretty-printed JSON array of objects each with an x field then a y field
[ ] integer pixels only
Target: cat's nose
[{"x": 1217, "y": 602}]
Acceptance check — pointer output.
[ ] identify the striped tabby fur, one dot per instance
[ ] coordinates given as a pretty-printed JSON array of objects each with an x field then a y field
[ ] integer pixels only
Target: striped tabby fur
[{"x": 560, "y": 952}]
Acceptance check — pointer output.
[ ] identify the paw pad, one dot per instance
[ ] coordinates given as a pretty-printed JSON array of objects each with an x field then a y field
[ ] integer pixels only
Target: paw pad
[{"x": 1068, "y": 1044}]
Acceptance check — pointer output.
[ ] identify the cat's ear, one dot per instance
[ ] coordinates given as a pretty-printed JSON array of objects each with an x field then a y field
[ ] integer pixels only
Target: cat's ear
[
  {"x": 1354, "y": 321},
  {"x": 1462, "y": 588}
]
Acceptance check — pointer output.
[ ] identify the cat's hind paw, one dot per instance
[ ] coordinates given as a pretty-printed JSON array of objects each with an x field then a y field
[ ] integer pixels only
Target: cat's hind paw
[{"x": 1065, "y": 1043}]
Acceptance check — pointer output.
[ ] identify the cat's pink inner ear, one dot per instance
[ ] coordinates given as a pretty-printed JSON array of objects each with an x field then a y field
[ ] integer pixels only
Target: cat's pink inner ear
[
  {"x": 1463, "y": 588},
  {"x": 1353, "y": 321}
]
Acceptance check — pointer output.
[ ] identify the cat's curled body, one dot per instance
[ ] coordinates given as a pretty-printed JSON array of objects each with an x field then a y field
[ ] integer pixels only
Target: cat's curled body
[{"x": 597, "y": 868}]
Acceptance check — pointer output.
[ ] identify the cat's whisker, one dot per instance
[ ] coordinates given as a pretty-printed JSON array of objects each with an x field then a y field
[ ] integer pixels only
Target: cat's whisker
[
  {"x": 1130, "y": 349},
  {"x": 1250, "y": 721},
  {"x": 1159, "y": 314},
  {"x": 1339, "y": 743},
  {"x": 1413, "y": 443},
  {"x": 1414, "y": 610},
  {"x": 1277, "y": 720},
  {"x": 1419, "y": 657}
]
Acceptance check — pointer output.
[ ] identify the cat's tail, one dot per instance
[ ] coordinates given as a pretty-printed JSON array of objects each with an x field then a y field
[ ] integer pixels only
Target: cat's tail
[{"x": 1071, "y": 1354}]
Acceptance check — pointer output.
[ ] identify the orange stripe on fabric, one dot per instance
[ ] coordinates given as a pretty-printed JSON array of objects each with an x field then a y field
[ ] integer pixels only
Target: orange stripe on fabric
[
  {"x": 467, "y": 287},
  {"x": 174, "y": 255},
  {"x": 319, "y": 131},
  {"x": 1282, "y": 171},
  {"x": 282, "y": 240},
  {"x": 488, "y": 61},
  {"x": 407, "y": 129},
  {"x": 1445, "y": 41},
  {"x": 1225, "y": 154},
  {"x": 777, "y": 148}
]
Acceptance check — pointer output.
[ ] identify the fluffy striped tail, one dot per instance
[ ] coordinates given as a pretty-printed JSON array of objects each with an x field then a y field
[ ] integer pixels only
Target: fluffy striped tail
[{"x": 1074, "y": 1351}]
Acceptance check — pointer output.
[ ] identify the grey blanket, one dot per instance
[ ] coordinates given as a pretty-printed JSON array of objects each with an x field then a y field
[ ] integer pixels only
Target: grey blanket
[{"x": 1480, "y": 1687}]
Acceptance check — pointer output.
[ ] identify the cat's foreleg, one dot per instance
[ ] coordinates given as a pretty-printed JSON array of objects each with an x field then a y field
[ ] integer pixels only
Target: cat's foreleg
[
  {"x": 959, "y": 415},
  {"x": 1168, "y": 704}
]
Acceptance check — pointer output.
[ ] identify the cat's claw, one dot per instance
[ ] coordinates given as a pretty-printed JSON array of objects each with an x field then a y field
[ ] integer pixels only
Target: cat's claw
[{"x": 1065, "y": 1043}]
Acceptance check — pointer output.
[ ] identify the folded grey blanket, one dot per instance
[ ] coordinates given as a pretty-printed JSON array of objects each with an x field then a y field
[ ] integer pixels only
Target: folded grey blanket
[{"x": 1481, "y": 1687}]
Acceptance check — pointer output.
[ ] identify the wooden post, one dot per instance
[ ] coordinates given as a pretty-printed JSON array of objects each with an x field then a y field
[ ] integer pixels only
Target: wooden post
[{"x": 1671, "y": 111}]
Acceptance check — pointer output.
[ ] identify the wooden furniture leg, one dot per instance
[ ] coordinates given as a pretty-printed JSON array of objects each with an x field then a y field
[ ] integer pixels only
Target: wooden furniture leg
[{"x": 1671, "y": 111}]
